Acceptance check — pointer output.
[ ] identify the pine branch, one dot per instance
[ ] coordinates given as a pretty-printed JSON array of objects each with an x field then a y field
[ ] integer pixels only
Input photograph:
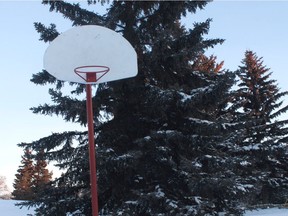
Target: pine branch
[
  {"x": 42, "y": 78},
  {"x": 55, "y": 142},
  {"x": 75, "y": 13},
  {"x": 47, "y": 34},
  {"x": 70, "y": 109}
]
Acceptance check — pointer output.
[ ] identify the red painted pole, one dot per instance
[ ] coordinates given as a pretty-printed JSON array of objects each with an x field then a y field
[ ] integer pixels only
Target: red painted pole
[{"x": 92, "y": 155}]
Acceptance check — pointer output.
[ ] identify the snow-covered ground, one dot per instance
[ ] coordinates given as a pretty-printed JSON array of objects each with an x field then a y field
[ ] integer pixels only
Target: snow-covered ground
[
  {"x": 8, "y": 208},
  {"x": 268, "y": 212}
]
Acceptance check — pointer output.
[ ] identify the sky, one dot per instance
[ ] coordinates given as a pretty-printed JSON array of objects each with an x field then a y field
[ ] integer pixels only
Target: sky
[{"x": 260, "y": 26}]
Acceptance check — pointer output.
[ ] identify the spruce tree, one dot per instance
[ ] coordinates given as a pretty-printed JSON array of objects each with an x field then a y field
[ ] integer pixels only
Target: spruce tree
[
  {"x": 207, "y": 64},
  {"x": 23, "y": 181},
  {"x": 258, "y": 101},
  {"x": 41, "y": 175},
  {"x": 164, "y": 146},
  {"x": 259, "y": 98},
  {"x": 32, "y": 177}
]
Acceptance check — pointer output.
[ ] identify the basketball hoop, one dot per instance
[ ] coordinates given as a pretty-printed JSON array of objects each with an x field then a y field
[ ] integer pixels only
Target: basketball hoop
[
  {"x": 91, "y": 73},
  {"x": 80, "y": 46}
]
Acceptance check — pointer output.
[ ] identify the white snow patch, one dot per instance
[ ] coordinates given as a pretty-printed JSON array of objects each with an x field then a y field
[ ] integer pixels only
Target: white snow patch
[
  {"x": 148, "y": 48},
  {"x": 224, "y": 125},
  {"x": 273, "y": 160},
  {"x": 147, "y": 137},
  {"x": 200, "y": 121},
  {"x": 184, "y": 173},
  {"x": 120, "y": 213},
  {"x": 244, "y": 187},
  {"x": 191, "y": 210},
  {"x": 198, "y": 200},
  {"x": 267, "y": 212},
  {"x": 208, "y": 156},
  {"x": 251, "y": 147},
  {"x": 77, "y": 212},
  {"x": 244, "y": 163},
  {"x": 202, "y": 89},
  {"x": 163, "y": 159},
  {"x": 124, "y": 156},
  {"x": 138, "y": 179},
  {"x": 165, "y": 131},
  {"x": 185, "y": 97},
  {"x": 172, "y": 203},
  {"x": 8, "y": 208},
  {"x": 132, "y": 202},
  {"x": 197, "y": 164},
  {"x": 159, "y": 192},
  {"x": 109, "y": 150},
  {"x": 162, "y": 148}
]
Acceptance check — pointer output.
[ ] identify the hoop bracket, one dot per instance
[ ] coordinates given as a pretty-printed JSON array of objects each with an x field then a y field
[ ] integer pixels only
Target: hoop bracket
[{"x": 91, "y": 73}]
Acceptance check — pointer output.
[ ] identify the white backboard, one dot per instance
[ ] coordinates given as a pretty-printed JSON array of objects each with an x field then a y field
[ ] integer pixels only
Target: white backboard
[{"x": 90, "y": 48}]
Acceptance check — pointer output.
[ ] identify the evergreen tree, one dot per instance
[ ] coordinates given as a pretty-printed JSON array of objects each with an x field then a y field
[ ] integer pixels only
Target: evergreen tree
[
  {"x": 263, "y": 149},
  {"x": 258, "y": 98},
  {"x": 164, "y": 150},
  {"x": 23, "y": 181},
  {"x": 207, "y": 64},
  {"x": 31, "y": 178},
  {"x": 41, "y": 175}
]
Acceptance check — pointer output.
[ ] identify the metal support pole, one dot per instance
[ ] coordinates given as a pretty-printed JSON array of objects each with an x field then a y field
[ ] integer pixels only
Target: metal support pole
[{"x": 92, "y": 155}]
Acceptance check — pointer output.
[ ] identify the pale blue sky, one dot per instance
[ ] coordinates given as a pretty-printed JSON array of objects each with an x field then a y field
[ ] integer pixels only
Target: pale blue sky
[{"x": 260, "y": 26}]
